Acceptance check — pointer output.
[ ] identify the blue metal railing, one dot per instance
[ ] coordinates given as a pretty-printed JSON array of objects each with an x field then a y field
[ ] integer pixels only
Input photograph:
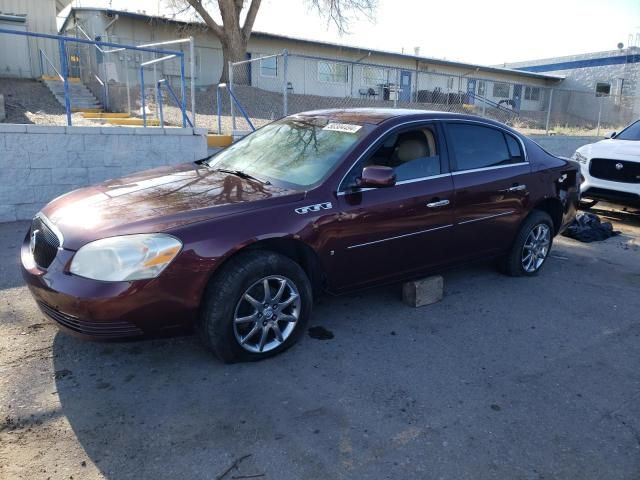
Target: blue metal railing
[
  {"x": 185, "y": 117},
  {"x": 490, "y": 103},
  {"x": 64, "y": 75},
  {"x": 236, "y": 101},
  {"x": 43, "y": 56}
]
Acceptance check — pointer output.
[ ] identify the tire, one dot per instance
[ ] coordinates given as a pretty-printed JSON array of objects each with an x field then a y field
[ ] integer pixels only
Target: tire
[
  {"x": 517, "y": 263},
  {"x": 234, "y": 294}
]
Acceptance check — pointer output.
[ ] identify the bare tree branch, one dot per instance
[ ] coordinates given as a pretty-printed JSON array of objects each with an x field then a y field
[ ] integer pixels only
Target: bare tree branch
[
  {"x": 208, "y": 19},
  {"x": 342, "y": 12},
  {"x": 234, "y": 37},
  {"x": 251, "y": 18}
]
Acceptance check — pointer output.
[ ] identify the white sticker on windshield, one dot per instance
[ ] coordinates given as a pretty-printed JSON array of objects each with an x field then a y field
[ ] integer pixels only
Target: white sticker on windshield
[{"x": 342, "y": 127}]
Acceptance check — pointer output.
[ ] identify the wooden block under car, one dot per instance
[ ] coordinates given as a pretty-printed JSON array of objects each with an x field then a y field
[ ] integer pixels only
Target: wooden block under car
[{"x": 423, "y": 292}]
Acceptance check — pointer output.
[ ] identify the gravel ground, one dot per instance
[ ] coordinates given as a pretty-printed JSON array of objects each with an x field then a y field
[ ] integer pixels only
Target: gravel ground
[
  {"x": 505, "y": 378},
  {"x": 30, "y": 101}
]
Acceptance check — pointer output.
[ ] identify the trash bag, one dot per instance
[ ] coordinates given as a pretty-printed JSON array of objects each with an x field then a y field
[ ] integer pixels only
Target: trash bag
[{"x": 588, "y": 228}]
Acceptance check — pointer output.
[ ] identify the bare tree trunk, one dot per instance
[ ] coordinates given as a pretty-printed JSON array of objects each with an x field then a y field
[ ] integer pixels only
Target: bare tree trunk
[
  {"x": 232, "y": 35},
  {"x": 234, "y": 49}
]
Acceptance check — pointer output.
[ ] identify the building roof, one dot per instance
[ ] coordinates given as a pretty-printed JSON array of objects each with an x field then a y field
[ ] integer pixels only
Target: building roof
[
  {"x": 363, "y": 50},
  {"x": 582, "y": 60}
]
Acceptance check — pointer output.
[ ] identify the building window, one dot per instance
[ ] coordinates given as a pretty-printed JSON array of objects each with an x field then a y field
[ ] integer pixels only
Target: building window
[
  {"x": 269, "y": 67},
  {"x": 333, "y": 72},
  {"x": 374, "y": 76},
  {"x": 501, "y": 90},
  {"x": 603, "y": 89},
  {"x": 532, "y": 93},
  {"x": 450, "y": 83},
  {"x": 481, "y": 88}
]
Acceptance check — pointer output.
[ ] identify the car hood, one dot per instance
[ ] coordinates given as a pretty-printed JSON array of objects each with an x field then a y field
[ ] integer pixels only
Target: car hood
[
  {"x": 158, "y": 200},
  {"x": 614, "y": 149}
]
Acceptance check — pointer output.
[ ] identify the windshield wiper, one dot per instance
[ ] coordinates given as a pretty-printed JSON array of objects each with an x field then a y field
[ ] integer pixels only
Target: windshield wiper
[{"x": 241, "y": 174}]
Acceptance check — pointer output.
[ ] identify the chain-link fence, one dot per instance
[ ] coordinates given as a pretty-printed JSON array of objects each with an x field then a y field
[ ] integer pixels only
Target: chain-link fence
[
  {"x": 271, "y": 86},
  {"x": 114, "y": 75},
  {"x": 93, "y": 76}
]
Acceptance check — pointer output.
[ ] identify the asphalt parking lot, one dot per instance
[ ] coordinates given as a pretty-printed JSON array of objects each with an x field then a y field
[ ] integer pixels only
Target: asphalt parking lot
[{"x": 505, "y": 378}]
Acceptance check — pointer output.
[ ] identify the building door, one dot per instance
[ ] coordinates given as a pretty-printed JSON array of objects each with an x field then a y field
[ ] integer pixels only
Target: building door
[
  {"x": 471, "y": 91},
  {"x": 405, "y": 86},
  {"x": 14, "y": 50},
  {"x": 517, "y": 97}
]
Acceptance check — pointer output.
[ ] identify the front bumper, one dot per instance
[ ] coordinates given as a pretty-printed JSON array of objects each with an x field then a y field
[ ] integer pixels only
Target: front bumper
[
  {"x": 99, "y": 310},
  {"x": 599, "y": 189}
]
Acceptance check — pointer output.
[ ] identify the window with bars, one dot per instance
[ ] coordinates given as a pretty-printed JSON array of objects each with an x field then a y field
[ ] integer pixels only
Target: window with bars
[
  {"x": 373, "y": 76},
  {"x": 501, "y": 90},
  {"x": 333, "y": 72},
  {"x": 481, "y": 88},
  {"x": 532, "y": 93}
]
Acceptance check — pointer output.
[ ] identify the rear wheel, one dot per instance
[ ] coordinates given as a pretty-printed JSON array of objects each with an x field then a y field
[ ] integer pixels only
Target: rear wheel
[
  {"x": 531, "y": 247},
  {"x": 257, "y": 306}
]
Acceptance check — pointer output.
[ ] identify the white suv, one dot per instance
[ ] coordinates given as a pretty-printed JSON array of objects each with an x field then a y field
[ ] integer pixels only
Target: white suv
[{"x": 611, "y": 167}]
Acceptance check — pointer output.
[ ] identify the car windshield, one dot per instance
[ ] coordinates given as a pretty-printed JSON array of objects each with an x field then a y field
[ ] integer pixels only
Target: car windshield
[
  {"x": 300, "y": 151},
  {"x": 632, "y": 132}
]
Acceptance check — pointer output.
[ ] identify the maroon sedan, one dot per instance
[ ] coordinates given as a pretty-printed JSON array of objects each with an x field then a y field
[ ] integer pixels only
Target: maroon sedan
[{"x": 238, "y": 244}]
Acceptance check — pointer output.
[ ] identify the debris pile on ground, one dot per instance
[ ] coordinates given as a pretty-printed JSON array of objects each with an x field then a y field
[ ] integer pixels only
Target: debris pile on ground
[{"x": 588, "y": 228}]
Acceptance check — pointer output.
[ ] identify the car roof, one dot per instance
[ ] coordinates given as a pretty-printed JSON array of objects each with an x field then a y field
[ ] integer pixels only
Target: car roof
[{"x": 378, "y": 115}]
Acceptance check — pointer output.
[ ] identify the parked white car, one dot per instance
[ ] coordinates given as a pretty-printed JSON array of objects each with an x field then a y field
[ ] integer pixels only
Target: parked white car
[{"x": 611, "y": 167}]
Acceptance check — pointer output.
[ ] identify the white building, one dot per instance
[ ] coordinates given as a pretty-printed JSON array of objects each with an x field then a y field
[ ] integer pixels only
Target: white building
[
  {"x": 317, "y": 68},
  {"x": 606, "y": 83},
  {"x": 20, "y": 55}
]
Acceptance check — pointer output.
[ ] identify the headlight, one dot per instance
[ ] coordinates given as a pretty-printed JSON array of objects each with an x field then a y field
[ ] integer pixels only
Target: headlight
[
  {"x": 578, "y": 157},
  {"x": 130, "y": 257}
]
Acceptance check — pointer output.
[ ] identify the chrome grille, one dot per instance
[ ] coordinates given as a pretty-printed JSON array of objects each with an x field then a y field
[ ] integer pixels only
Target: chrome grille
[
  {"x": 615, "y": 170},
  {"x": 44, "y": 243}
]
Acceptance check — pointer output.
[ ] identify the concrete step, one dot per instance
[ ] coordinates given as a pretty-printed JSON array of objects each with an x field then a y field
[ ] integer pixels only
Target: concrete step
[
  {"x": 219, "y": 141},
  {"x": 85, "y": 103},
  {"x": 86, "y": 110},
  {"x": 132, "y": 121},
  {"x": 103, "y": 115},
  {"x": 80, "y": 96}
]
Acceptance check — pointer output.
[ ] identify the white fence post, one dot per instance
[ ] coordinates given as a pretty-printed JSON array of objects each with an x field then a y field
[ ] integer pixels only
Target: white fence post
[
  {"x": 233, "y": 111},
  {"x": 192, "y": 68},
  {"x": 549, "y": 111},
  {"x": 285, "y": 83}
]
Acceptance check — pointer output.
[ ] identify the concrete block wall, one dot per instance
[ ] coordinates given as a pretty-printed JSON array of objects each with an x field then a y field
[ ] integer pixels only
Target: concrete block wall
[{"x": 38, "y": 163}]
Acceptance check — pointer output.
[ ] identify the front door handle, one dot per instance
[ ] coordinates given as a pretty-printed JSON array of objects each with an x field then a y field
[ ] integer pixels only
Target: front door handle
[{"x": 439, "y": 203}]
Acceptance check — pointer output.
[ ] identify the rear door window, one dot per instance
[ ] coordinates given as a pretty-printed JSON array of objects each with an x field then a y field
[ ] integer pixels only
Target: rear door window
[{"x": 479, "y": 146}]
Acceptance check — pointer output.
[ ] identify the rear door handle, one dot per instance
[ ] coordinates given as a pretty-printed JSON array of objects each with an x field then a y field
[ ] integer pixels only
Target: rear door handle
[
  {"x": 439, "y": 203},
  {"x": 515, "y": 188}
]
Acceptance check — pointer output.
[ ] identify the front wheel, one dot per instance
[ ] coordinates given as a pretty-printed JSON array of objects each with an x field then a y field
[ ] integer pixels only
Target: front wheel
[
  {"x": 257, "y": 306},
  {"x": 531, "y": 247}
]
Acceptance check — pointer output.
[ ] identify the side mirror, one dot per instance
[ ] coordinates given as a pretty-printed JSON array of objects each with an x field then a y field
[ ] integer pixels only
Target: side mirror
[
  {"x": 611, "y": 135},
  {"x": 377, "y": 176}
]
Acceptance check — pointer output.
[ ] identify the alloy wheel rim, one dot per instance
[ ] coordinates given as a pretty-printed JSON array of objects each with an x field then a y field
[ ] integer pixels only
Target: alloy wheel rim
[
  {"x": 536, "y": 247},
  {"x": 266, "y": 314}
]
